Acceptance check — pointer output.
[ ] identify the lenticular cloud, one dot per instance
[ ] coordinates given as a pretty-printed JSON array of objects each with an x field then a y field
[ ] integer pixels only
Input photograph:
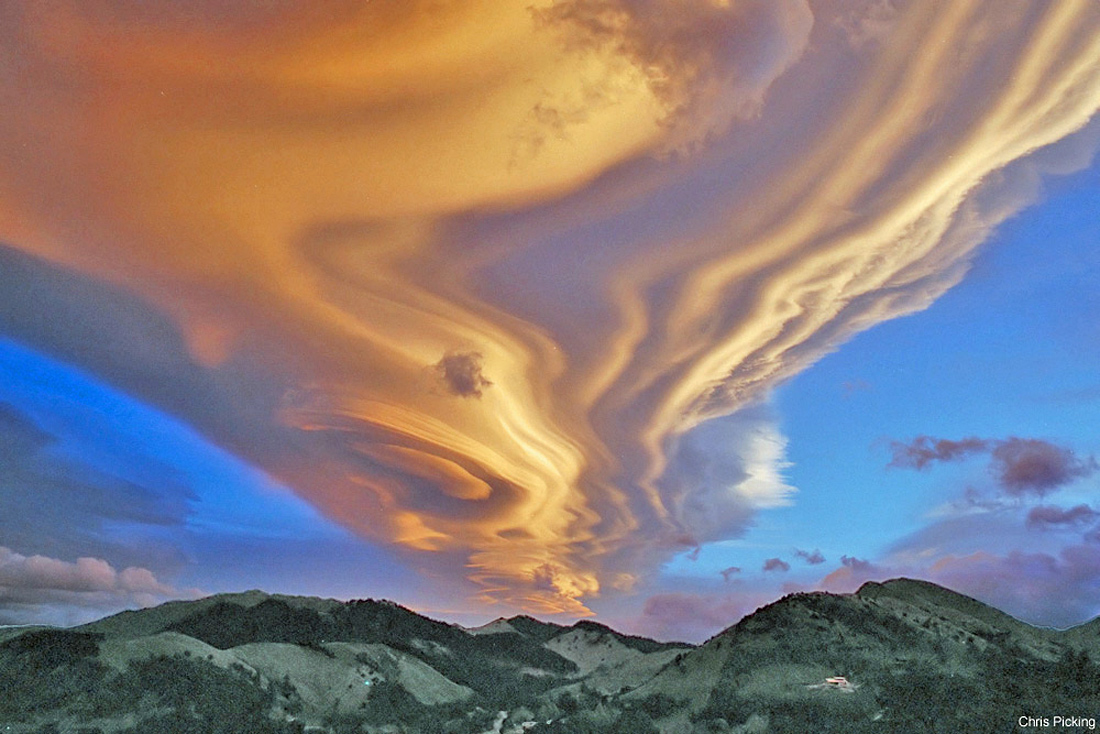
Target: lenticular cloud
[{"x": 471, "y": 277}]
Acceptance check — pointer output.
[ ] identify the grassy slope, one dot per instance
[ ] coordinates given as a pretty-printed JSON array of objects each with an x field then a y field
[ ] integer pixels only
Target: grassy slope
[{"x": 923, "y": 658}]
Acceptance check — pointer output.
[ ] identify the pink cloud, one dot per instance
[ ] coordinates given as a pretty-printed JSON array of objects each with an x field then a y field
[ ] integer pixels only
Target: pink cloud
[
  {"x": 922, "y": 451},
  {"x": 814, "y": 558},
  {"x": 1040, "y": 588},
  {"x": 1029, "y": 465},
  {"x": 693, "y": 617},
  {"x": 48, "y": 590},
  {"x": 853, "y": 573},
  {"x": 1020, "y": 465},
  {"x": 1050, "y": 516},
  {"x": 776, "y": 564}
]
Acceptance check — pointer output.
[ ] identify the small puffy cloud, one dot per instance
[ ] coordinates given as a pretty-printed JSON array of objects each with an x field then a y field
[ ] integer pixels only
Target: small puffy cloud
[
  {"x": 1031, "y": 466},
  {"x": 727, "y": 573},
  {"x": 923, "y": 451},
  {"x": 1050, "y": 516},
  {"x": 854, "y": 563},
  {"x": 853, "y": 573},
  {"x": 1021, "y": 466},
  {"x": 776, "y": 564},
  {"x": 461, "y": 373},
  {"x": 813, "y": 558},
  {"x": 47, "y": 590}
]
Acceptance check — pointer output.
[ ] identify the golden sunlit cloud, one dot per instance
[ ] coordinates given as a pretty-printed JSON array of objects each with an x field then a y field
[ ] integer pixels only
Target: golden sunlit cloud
[{"x": 508, "y": 262}]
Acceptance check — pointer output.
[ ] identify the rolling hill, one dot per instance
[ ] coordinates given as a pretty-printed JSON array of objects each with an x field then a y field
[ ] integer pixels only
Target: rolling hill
[{"x": 915, "y": 657}]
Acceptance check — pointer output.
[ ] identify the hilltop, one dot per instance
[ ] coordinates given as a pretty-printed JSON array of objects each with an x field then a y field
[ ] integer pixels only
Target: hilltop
[{"x": 917, "y": 657}]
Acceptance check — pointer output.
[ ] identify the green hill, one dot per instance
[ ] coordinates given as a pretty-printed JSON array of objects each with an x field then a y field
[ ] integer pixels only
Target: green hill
[{"x": 916, "y": 658}]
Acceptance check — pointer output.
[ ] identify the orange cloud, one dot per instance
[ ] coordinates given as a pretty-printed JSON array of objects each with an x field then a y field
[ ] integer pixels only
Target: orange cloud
[{"x": 639, "y": 217}]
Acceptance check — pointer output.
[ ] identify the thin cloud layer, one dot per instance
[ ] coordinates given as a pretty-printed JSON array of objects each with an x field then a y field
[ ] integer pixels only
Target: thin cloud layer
[
  {"x": 813, "y": 558},
  {"x": 1049, "y": 516},
  {"x": 641, "y": 216},
  {"x": 997, "y": 557},
  {"x": 52, "y": 504}
]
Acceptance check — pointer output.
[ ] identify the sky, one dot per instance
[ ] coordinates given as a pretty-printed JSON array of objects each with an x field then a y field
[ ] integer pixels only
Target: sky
[{"x": 638, "y": 310}]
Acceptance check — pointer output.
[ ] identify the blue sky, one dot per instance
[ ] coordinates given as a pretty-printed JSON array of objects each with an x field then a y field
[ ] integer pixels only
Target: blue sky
[
  {"x": 163, "y": 496},
  {"x": 1012, "y": 350}
]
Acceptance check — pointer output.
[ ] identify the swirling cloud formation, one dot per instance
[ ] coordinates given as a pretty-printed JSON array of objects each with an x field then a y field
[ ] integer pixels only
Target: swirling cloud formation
[{"x": 607, "y": 221}]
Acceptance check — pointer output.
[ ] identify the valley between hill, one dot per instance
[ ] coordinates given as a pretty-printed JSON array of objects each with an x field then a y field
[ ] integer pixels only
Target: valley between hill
[{"x": 916, "y": 657}]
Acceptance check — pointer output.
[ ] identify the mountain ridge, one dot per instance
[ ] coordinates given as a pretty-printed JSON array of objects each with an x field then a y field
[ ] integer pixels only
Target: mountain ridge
[{"x": 253, "y": 661}]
